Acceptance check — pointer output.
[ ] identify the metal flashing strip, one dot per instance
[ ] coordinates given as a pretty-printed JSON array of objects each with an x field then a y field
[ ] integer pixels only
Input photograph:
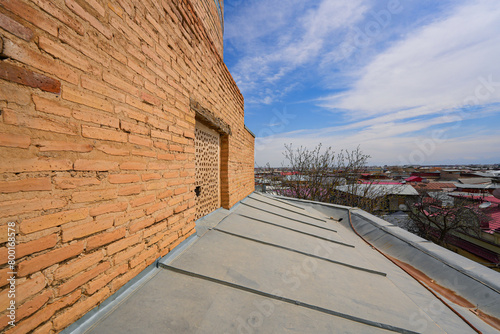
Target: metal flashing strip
[
  {"x": 289, "y": 301},
  {"x": 92, "y": 318},
  {"x": 416, "y": 246},
  {"x": 286, "y": 217},
  {"x": 279, "y": 200},
  {"x": 298, "y": 231},
  {"x": 302, "y": 253},
  {"x": 299, "y": 213}
]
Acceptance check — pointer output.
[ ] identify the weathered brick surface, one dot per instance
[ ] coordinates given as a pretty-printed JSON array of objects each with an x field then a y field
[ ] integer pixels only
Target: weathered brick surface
[{"x": 97, "y": 137}]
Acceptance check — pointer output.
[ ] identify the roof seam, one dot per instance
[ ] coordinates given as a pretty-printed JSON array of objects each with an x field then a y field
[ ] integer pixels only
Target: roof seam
[
  {"x": 289, "y": 301},
  {"x": 303, "y": 253},
  {"x": 282, "y": 216},
  {"x": 277, "y": 206},
  {"x": 298, "y": 231}
]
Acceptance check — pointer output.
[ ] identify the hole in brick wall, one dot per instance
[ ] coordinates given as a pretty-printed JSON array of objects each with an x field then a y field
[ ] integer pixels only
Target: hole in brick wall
[{"x": 197, "y": 191}]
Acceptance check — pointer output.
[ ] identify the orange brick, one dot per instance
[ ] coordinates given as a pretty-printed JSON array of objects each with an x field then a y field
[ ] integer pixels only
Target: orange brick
[
  {"x": 161, "y": 145},
  {"x": 122, "y": 244},
  {"x": 127, "y": 254},
  {"x": 120, "y": 83},
  {"x": 13, "y": 92},
  {"x": 134, "y": 128},
  {"x": 102, "y": 281},
  {"x": 152, "y": 252},
  {"x": 78, "y": 10},
  {"x": 94, "y": 195},
  {"x": 141, "y": 224},
  {"x": 108, "y": 208},
  {"x": 144, "y": 153},
  {"x": 165, "y": 194},
  {"x": 47, "y": 146},
  {"x": 150, "y": 99},
  {"x": 82, "y": 278},
  {"x": 163, "y": 213},
  {"x": 86, "y": 229},
  {"x": 13, "y": 140},
  {"x": 161, "y": 134},
  {"x": 51, "y": 106},
  {"x": 50, "y": 7},
  {"x": 158, "y": 185},
  {"x": 130, "y": 190},
  {"x": 180, "y": 190},
  {"x": 36, "y": 246},
  {"x": 30, "y": 287},
  {"x": 138, "y": 140},
  {"x": 38, "y": 122},
  {"x": 96, "y": 118},
  {"x": 32, "y": 15},
  {"x": 38, "y": 184},
  {"x": 84, "y": 45},
  {"x": 103, "y": 134},
  {"x": 123, "y": 178},
  {"x": 95, "y": 165},
  {"x": 67, "y": 55},
  {"x": 20, "y": 206},
  {"x": 101, "y": 88},
  {"x": 131, "y": 165},
  {"x": 151, "y": 176},
  {"x": 55, "y": 219},
  {"x": 44, "y": 314},
  {"x": 158, "y": 166},
  {"x": 155, "y": 229},
  {"x": 142, "y": 200},
  {"x": 76, "y": 266},
  {"x": 33, "y": 58},
  {"x": 176, "y": 148},
  {"x": 170, "y": 175},
  {"x": 111, "y": 150},
  {"x": 129, "y": 216},
  {"x": 15, "y": 28},
  {"x": 43, "y": 329},
  {"x": 70, "y": 315},
  {"x": 105, "y": 238},
  {"x": 35, "y": 165},
  {"x": 30, "y": 307},
  {"x": 82, "y": 97},
  {"x": 45, "y": 260},
  {"x": 73, "y": 183}
]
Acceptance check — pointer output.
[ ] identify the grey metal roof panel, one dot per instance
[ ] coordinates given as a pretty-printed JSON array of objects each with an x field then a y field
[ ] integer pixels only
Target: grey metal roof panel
[
  {"x": 356, "y": 293},
  {"x": 248, "y": 276},
  {"x": 176, "y": 303}
]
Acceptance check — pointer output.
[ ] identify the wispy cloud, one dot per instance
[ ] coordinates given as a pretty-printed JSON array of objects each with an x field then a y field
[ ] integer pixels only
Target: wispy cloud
[
  {"x": 443, "y": 65},
  {"x": 428, "y": 69}
]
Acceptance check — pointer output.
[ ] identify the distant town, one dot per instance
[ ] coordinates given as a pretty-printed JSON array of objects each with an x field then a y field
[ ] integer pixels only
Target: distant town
[{"x": 457, "y": 206}]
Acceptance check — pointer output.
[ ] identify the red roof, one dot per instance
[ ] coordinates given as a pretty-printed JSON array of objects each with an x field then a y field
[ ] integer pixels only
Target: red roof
[
  {"x": 380, "y": 182},
  {"x": 494, "y": 214},
  {"x": 414, "y": 179},
  {"x": 433, "y": 185}
]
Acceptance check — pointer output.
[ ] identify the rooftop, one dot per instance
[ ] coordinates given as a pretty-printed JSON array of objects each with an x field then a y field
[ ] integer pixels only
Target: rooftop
[{"x": 272, "y": 265}]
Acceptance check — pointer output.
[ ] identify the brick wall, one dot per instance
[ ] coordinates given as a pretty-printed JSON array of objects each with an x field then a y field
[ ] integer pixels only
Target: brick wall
[{"x": 97, "y": 145}]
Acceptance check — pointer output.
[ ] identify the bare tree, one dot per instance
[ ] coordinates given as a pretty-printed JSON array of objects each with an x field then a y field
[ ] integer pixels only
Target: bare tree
[
  {"x": 436, "y": 218},
  {"x": 322, "y": 175}
]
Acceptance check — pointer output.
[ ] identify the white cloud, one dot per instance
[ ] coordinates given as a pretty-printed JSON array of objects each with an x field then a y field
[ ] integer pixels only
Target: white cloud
[
  {"x": 297, "y": 38},
  {"x": 442, "y": 65}
]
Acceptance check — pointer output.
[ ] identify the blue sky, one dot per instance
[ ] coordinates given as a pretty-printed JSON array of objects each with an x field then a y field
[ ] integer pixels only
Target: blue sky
[{"x": 410, "y": 82}]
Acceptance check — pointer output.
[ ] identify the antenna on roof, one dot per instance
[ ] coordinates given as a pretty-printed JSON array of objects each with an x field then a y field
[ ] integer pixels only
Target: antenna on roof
[
  {"x": 496, "y": 193},
  {"x": 485, "y": 205}
]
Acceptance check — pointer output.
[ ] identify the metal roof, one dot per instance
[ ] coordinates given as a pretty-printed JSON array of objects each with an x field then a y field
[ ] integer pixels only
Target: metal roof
[
  {"x": 374, "y": 190},
  {"x": 274, "y": 266}
]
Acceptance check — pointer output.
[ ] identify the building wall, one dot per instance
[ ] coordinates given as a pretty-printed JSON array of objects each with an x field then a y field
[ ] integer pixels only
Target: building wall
[
  {"x": 211, "y": 13},
  {"x": 97, "y": 145}
]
